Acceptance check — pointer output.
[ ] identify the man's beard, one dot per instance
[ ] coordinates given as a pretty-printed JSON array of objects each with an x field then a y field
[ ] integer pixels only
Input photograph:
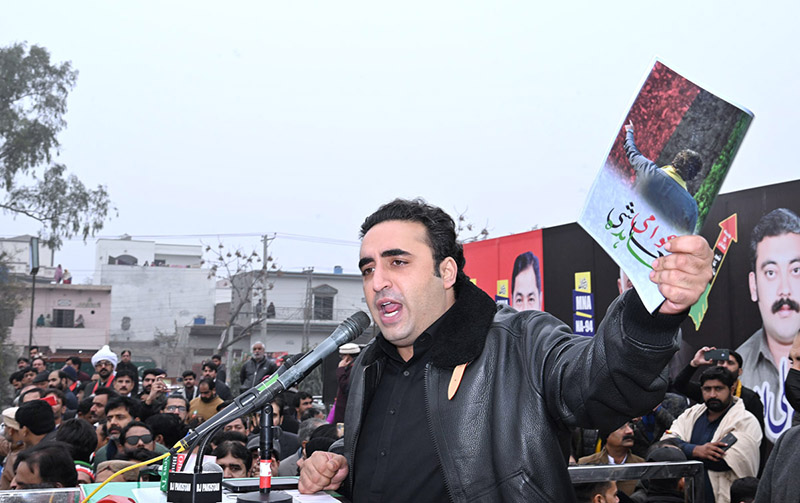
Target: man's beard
[
  {"x": 207, "y": 400},
  {"x": 146, "y": 389},
  {"x": 103, "y": 373},
  {"x": 715, "y": 405},
  {"x": 784, "y": 301}
]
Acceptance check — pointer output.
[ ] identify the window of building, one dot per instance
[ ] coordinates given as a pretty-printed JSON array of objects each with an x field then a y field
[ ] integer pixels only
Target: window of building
[
  {"x": 323, "y": 302},
  {"x": 64, "y": 318}
]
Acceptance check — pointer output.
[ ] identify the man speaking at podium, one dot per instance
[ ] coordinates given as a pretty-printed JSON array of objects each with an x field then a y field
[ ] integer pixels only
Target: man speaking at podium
[{"x": 458, "y": 399}]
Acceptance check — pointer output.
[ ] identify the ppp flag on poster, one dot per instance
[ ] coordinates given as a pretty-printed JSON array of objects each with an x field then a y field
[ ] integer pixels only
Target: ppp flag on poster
[{"x": 664, "y": 170}]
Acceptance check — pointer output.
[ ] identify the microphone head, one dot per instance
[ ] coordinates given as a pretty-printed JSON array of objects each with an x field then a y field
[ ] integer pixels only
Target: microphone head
[
  {"x": 361, "y": 320},
  {"x": 211, "y": 467}
]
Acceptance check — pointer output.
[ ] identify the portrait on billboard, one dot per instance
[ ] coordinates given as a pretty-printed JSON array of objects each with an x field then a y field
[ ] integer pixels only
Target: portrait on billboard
[
  {"x": 509, "y": 269},
  {"x": 774, "y": 285},
  {"x": 662, "y": 174}
]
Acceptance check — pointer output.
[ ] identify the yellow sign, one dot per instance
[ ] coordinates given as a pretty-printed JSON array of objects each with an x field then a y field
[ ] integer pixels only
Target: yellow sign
[
  {"x": 583, "y": 282},
  {"x": 502, "y": 288}
]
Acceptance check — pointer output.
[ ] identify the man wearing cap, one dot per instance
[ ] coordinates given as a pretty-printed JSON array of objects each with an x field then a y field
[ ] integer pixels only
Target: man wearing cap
[
  {"x": 105, "y": 362},
  {"x": 36, "y": 424},
  {"x": 347, "y": 355},
  {"x": 41, "y": 379}
]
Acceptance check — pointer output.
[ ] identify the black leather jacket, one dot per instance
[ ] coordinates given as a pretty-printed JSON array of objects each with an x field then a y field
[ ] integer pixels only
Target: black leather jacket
[{"x": 504, "y": 436}]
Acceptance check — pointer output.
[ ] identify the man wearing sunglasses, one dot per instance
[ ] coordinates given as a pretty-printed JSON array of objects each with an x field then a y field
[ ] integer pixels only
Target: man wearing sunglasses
[{"x": 137, "y": 436}]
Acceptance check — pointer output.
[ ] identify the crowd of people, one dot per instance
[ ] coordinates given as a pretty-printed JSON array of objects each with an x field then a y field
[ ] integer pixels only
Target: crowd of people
[
  {"x": 66, "y": 427},
  {"x": 456, "y": 399}
]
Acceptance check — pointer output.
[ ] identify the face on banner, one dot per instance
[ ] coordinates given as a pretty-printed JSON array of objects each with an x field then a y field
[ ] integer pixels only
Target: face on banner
[{"x": 509, "y": 269}]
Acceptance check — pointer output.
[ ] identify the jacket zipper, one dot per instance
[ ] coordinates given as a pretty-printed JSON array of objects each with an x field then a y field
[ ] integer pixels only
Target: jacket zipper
[{"x": 433, "y": 435}]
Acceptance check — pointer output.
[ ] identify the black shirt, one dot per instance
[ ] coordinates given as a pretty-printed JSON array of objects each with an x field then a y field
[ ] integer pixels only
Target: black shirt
[{"x": 397, "y": 460}]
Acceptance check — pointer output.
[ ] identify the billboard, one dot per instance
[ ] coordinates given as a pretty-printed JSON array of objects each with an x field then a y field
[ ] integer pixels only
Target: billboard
[{"x": 510, "y": 269}]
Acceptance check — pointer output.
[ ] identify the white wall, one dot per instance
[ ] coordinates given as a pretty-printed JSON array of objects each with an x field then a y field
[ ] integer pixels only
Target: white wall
[{"x": 156, "y": 299}]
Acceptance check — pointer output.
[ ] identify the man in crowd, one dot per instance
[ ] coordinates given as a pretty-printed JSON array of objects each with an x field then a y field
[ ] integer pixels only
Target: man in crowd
[
  {"x": 210, "y": 372},
  {"x": 434, "y": 322},
  {"x": 347, "y": 355},
  {"x": 289, "y": 463},
  {"x": 126, "y": 381},
  {"x": 137, "y": 436},
  {"x": 256, "y": 368},
  {"x": 56, "y": 396},
  {"x": 126, "y": 364},
  {"x": 99, "y": 401},
  {"x": 62, "y": 381},
  {"x": 36, "y": 423},
  {"x": 205, "y": 406},
  {"x": 616, "y": 451},
  {"x": 23, "y": 362},
  {"x": 75, "y": 362},
  {"x": 775, "y": 287},
  {"x": 302, "y": 402},
  {"x": 119, "y": 411},
  {"x": 45, "y": 466},
  {"x": 39, "y": 364},
  {"x": 189, "y": 390},
  {"x": 597, "y": 492},
  {"x": 154, "y": 392},
  {"x": 104, "y": 361},
  {"x": 222, "y": 373},
  {"x": 177, "y": 405},
  {"x": 703, "y": 433}
]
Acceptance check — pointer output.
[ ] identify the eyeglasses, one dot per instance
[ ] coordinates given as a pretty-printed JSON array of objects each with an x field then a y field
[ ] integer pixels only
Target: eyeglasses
[
  {"x": 134, "y": 439},
  {"x": 103, "y": 363},
  {"x": 179, "y": 408}
]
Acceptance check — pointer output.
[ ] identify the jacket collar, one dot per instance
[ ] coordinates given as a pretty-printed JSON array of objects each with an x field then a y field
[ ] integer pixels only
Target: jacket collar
[{"x": 462, "y": 335}]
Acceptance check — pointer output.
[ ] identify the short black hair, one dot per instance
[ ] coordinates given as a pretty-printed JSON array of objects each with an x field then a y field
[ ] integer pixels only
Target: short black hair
[
  {"x": 168, "y": 426},
  {"x": 178, "y": 395},
  {"x": 54, "y": 462},
  {"x": 189, "y": 373},
  {"x": 522, "y": 262},
  {"x": 210, "y": 366},
  {"x": 75, "y": 360},
  {"x": 153, "y": 371},
  {"x": 16, "y": 376},
  {"x": 209, "y": 382},
  {"x": 125, "y": 351},
  {"x": 744, "y": 489},
  {"x": 37, "y": 390},
  {"x": 102, "y": 390},
  {"x": 301, "y": 395},
  {"x": 22, "y": 359},
  {"x": 585, "y": 492},
  {"x": 132, "y": 374},
  {"x": 775, "y": 223},
  {"x": 235, "y": 449},
  {"x": 441, "y": 230},
  {"x": 218, "y": 357},
  {"x": 132, "y": 406},
  {"x": 721, "y": 374},
  {"x": 58, "y": 393},
  {"x": 80, "y": 436},
  {"x": 85, "y": 405}
]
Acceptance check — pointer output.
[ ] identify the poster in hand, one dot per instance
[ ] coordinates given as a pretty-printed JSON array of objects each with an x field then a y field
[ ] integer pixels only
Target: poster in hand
[{"x": 662, "y": 174}]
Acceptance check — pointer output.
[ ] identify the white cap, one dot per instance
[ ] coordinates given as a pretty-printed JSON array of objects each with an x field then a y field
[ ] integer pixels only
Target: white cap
[{"x": 350, "y": 348}]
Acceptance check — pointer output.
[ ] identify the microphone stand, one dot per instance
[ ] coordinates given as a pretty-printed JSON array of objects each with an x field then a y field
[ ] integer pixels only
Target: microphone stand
[{"x": 265, "y": 492}]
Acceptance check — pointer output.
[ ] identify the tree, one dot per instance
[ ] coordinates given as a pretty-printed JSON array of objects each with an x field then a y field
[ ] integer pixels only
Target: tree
[
  {"x": 247, "y": 274},
  {"x": 11, "y": 295},
  {"x": 33, "y": 100}
]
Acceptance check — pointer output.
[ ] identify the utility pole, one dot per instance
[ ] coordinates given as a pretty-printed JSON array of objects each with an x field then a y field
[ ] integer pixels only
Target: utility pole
[
  {"x": 307, "y": 311},
  {"x": 33, "y": 260},
  {"x": 265, "y": 286}
]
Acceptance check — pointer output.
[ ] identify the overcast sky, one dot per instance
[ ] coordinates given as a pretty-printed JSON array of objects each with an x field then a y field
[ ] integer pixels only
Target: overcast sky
[{"x": 300, "y": 118}]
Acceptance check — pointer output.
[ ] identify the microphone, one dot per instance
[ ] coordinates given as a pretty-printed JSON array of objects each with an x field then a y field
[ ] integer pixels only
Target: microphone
[
  {"x": 267, "y": 390},
  {"x": 212, "y": 467}
]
